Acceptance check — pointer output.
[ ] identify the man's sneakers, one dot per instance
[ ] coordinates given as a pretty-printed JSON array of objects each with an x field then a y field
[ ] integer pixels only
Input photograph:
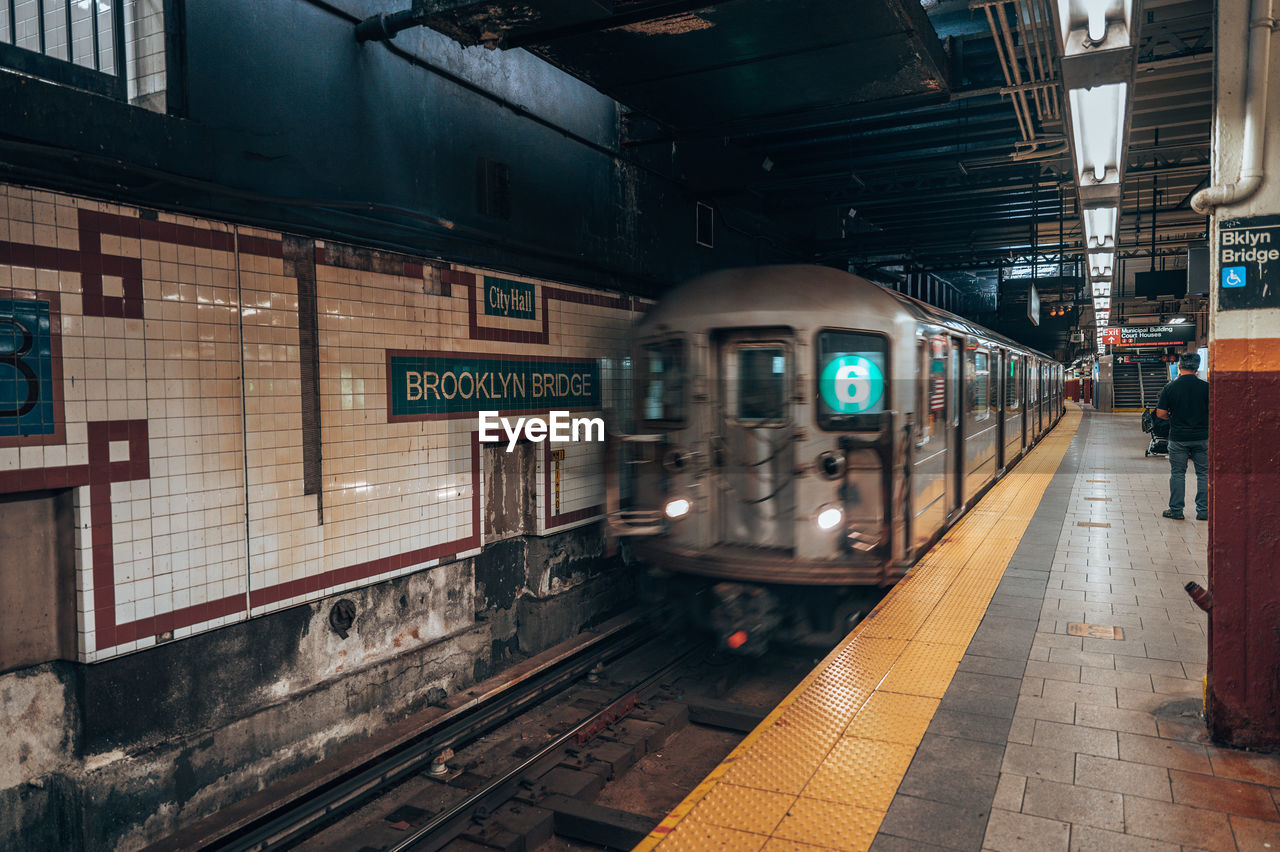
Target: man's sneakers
[
  {"x": 1202, "y": 516},
  {"x": 1169, "y": 513}
]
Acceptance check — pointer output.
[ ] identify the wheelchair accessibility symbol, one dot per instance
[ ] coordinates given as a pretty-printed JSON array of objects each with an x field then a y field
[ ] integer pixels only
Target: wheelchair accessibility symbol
[{"x": 1233, "y": 276}]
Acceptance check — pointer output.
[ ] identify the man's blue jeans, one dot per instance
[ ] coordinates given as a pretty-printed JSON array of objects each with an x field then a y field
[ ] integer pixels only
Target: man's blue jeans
[{"x": 1179, "y": 452}]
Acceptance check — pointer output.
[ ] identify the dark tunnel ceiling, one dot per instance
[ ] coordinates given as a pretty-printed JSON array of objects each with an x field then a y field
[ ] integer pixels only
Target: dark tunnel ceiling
[
  {"x": 805, "y": 110},
  {"x": 712, "y": 67}
]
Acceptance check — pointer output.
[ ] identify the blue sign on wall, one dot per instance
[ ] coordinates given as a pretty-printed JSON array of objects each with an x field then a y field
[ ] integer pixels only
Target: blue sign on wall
[
  {"x": 1234, "y": 276},
  {"x": 26, "y": 369}
]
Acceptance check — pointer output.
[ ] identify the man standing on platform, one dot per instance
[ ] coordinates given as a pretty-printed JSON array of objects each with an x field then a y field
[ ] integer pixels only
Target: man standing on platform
[{"x": 1184, "y": 402}]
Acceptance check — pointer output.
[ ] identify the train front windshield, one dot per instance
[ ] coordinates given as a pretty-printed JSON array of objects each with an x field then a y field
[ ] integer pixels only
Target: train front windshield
[
  {"x": 662, "y": 378},
  {"x": 853, "y": 385}
]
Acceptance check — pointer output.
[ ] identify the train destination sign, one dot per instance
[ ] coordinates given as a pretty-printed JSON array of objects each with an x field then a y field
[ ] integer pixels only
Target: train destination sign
[
  {"x": 430, "y": 385},
  {"x": 1249, "y": 263},
  {"x": 503, "y": 298},
  {"x": 1149, "y": 335}
]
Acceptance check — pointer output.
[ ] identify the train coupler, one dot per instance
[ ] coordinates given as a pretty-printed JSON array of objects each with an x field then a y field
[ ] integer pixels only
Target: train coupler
[{"x": 744, "y": 617}]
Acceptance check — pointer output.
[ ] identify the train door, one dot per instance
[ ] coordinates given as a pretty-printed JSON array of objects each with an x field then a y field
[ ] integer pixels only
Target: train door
[
  {"x": 955, "y": 426},
  {"x": 1000, "y": 391},
  {"x": 1042, "y": 402},
  {"x": 930, "y": 483},
  {"x": 1024, "y": 402},
  {"x": 1033, "y": 390},
  {"x": 753, "y": 449}
]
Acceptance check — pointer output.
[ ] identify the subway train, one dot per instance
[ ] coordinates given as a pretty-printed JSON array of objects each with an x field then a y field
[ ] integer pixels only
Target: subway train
[{"x": 800, "y": 436}]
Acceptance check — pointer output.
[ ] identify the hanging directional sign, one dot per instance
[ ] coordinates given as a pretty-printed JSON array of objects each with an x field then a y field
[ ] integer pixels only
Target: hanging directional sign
[
  {"x": 1249, "y": 263},
  {"x": 1149, "y": 335}
]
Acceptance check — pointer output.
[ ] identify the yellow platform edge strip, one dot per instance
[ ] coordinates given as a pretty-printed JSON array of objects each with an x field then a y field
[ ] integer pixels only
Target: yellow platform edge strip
[{"x": 827, "y": 775}]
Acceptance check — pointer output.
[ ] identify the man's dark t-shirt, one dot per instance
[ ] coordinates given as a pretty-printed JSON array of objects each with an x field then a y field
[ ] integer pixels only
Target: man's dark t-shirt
[{"x": 1186, "y": 398}]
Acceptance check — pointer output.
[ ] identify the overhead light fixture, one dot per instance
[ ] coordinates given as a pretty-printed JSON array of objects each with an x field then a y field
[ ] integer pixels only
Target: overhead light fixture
[
  {"x": 1100, "y": 263},
  {"x": 1100, "y": 227},
  {"x": 1097, "y": 137},
  {"x": 1102, "y": 303},
  {"x": 1097, "y": 39},
  {"x": 1177, "y": 320}
]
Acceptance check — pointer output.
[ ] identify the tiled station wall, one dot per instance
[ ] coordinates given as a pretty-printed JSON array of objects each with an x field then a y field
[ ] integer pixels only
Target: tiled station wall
[{"x": 162, "y": 381}]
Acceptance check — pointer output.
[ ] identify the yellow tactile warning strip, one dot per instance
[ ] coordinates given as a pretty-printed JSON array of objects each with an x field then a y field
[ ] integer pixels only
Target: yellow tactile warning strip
[{"x": 820, "y": 771}]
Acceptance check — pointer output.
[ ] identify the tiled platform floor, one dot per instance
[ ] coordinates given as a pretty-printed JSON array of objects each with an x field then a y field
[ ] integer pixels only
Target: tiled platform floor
[
  {"x": 1105, "y": 748},
  {"x": 964, "y": 714}
]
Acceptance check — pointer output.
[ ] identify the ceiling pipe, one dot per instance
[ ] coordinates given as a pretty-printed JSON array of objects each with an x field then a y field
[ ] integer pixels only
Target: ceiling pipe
[
  {"x": 1261, "y": 24},
  {"x": 1009, "y": 76},
  {"x": 383, "y": 27}
]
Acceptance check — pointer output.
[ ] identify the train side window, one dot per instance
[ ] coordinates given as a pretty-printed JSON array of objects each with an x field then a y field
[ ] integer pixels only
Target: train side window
[
  {"x": 663, "y": 372},
  {"x": 1013, "y": 390},
  {"x": 993, "y": 386},
  {"x": 938, "y": 379},
  {"x": 762, "y": 384},
  {"x": 852, "y": 372},
  {"x": 981, "y": 383},
  {"x": 924, "y": 382}
]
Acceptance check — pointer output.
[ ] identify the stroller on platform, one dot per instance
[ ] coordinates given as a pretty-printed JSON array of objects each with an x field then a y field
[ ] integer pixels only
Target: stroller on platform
[{"x": 1159, "y": 430}]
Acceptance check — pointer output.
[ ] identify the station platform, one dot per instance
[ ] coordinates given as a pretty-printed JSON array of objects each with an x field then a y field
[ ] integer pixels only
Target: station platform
[{"x": 1034, "y": 683}]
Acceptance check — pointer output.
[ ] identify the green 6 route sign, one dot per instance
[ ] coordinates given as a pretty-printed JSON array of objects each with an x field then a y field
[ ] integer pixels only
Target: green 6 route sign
[{"x": 851, "y": 384}]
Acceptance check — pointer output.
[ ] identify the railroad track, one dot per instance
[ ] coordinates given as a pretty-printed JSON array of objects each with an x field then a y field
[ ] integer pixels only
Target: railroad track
[
  {"x": 284, "y": 813},
  {"x": 449, "y": 824},
  {"x": 573, "y": 732},
  {"x": 596, "y": 768}
]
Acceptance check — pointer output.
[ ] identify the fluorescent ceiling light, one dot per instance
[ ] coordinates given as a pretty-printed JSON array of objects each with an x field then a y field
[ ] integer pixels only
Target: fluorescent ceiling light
[
  {"x": 1102, "y": 288},
  {"x": 1100, "y": 227},
  {"x": 1097, "y": 130},
  {"x": 1100, "y": 263},
  {"x": 1096, "y": 24},
  {"x": 1101, "y": 303}
]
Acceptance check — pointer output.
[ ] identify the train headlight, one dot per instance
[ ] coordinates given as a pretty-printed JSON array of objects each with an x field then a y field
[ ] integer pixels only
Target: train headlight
[
  {"x": 677, "y": 508},
  {"x": 829, "y": 517}
]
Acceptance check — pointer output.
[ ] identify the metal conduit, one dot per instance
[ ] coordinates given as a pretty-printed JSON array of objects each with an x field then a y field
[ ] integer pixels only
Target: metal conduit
[
  {"x": 1035, "y": 67},
  {"x": 1006, "y": 36},
  {"x": 1042, "y": 37},
  {"x": 1037, "y": 53}
]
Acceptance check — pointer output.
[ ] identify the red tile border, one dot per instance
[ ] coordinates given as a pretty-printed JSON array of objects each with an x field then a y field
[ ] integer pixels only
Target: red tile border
[
  {"x": 373, "y": 567},
  {"x": 551, "y": 520},
  {"x": 90, "y": 262},
  {"x": 102, "y": 473},
  {"x": 540, "y": 338}
]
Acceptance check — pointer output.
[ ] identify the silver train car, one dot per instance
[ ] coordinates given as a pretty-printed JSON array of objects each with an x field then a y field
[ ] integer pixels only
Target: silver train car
[{"x": 802, "y": 435}]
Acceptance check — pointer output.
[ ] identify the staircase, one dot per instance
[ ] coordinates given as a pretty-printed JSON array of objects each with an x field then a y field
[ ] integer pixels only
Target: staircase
[{"x": 1138, "y": 386}]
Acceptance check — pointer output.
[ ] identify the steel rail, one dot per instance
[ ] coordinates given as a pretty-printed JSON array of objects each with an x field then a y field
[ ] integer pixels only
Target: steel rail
[
  {"x": 301, "y": 818},
  {"x": 441, "y": 829}
]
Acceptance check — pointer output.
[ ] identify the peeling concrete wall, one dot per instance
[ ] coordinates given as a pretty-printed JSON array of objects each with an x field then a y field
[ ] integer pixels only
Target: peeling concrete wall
[
  {"x": 118, "y": 754},
  {"x": 34, "y": 737}
]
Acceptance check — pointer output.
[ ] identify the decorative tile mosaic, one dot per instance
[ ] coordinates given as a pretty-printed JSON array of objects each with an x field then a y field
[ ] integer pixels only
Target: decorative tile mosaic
[{"x": 152, "y": 362}]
